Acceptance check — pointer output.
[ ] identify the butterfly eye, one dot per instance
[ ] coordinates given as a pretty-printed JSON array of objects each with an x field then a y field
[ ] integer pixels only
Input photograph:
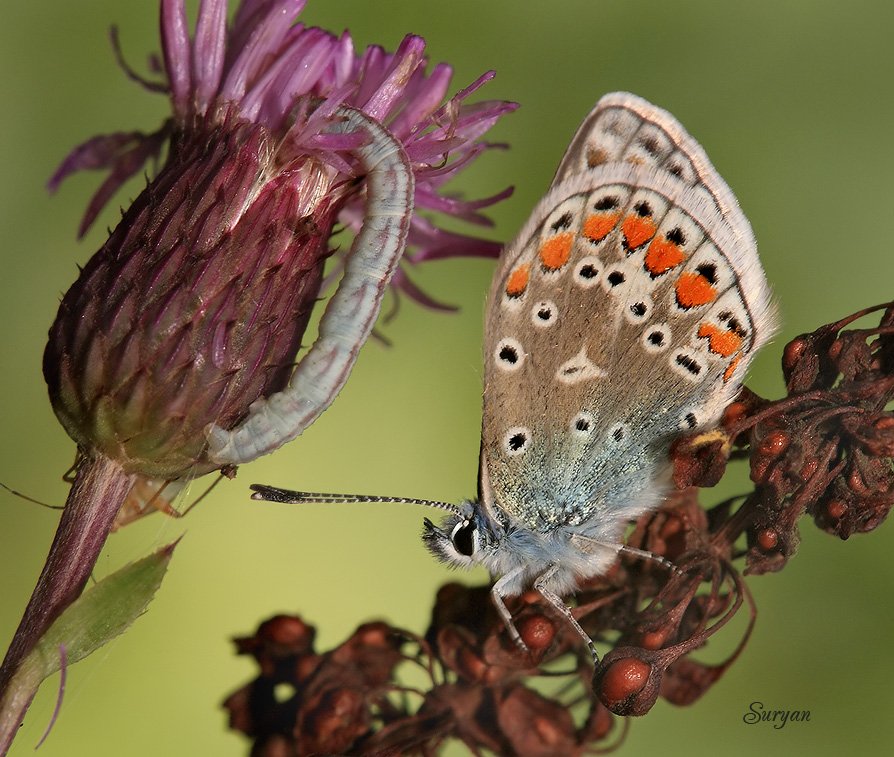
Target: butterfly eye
[{"x": 465, "y": 538}]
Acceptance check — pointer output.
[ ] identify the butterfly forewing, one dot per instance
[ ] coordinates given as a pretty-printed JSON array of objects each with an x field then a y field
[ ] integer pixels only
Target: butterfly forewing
[
  {"x": 624, "y": 127},
  {"x": 623, "y": 315}
]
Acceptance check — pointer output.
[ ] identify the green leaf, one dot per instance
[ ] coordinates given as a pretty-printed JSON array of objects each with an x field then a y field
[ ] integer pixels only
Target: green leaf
[
  {"x": 93, "y": 619},
  {"x": 101, "y": 613}
]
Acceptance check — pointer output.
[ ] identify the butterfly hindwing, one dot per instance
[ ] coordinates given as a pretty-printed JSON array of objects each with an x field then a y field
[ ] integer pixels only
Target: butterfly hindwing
[{"x": 624, "y": 314}]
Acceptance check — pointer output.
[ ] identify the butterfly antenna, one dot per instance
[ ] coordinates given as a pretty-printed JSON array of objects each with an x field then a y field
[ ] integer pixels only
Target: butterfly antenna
[{"x": 288, "y": 496}]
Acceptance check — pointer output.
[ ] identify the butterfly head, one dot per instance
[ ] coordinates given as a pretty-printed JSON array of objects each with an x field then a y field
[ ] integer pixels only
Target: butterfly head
[
  {"x": 465, "y": 538},
  {"x": 471, "y": 536}
]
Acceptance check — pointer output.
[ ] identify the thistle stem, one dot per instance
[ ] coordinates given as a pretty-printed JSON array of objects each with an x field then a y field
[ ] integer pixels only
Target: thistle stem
[{"x": 99, "y": 489}]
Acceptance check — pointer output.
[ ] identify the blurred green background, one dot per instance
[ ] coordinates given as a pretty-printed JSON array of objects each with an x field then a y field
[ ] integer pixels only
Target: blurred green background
[{"x": 792, "y": 101}]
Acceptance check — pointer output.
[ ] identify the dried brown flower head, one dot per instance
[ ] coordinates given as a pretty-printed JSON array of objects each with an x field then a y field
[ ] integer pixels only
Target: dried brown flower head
[{"x": 825, "y": 449}]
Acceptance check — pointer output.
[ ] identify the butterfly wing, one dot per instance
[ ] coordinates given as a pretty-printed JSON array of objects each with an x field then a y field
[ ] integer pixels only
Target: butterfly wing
[{"x": 624, "y": 313}]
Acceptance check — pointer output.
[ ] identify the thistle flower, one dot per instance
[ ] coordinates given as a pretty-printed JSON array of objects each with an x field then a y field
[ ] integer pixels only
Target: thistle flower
[
  {"x": 196, "y": 305},
  {"x": 173, "y": 353},
  {"x": 826, "y": 449}
]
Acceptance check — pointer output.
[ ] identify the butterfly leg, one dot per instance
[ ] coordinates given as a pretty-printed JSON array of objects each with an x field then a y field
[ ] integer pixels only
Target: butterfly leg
[
  {"x": 556, "y": 601},
  {"x": 497, "y": 592},
  {"x": 587, "y": 545},
  {"x": 351, "y": 311},
  {"x": 651, "y": 556}
]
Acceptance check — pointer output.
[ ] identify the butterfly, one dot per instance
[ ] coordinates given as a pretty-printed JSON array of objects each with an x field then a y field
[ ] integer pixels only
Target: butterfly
[{"x": 623, "y": 315}]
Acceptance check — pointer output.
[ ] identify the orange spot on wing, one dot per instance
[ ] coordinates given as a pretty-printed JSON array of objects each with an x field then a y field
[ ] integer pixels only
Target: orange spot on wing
[
  {"x": 518, "y": 280},
  {"x": 720, "y": 341},
  {"x": 554, "y": 252},
  {"x": 637, "y": 230},
  {"x": 663, "y": 255},
  {"x": 599, "y": 225},
  {"x": 731, "y": 368},
  {"x": 693, "y": 289}
]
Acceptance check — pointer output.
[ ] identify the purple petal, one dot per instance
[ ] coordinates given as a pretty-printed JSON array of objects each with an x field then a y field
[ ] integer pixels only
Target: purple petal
[
  {"x": 301, "y": 70},
  {"x": 474, "y": 120},
  {"x": 209, "y": 49},
  {"x": 423, "y": 103},
  {"x": 433, "y": 151},
  {"x": 308, "y": 130},
  {"x": 176, "y": 47},
  {"x": 470, "y": 121},
  {"x": 125, "y": 165},
  {"x": 253, "y": 13},
  {"x": 368, "y": 73},
  {"x": 247, "y": 57},
  {"x": 330, "y": 158},
  {"x": 433, "y": 243},
  {"x": 343, "y": 59},
  {"x": 98, "y": 152},
  {"x": 402, "y": 283},
  {"x": 459, "y": 246},
  {"x": 465, "y": 209},
  {"x": 409, "y": 56},
  {"x": 468, "y": 90},
  {"x": 460, "y": 159},
  {"x": 296, "y": 72}
]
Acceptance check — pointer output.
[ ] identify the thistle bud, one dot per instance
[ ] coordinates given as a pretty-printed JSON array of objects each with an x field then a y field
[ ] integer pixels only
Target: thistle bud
[{"x": 196, "y": 304}]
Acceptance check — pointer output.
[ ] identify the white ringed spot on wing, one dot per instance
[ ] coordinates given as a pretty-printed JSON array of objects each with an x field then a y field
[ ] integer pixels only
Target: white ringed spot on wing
[
  {"x": 617, "y": 433},
  {"x": 516, "y": 441},
  {"x": 689, "y": 364},
  {"x": 544, "y": 314},
  {"x": 509, "y": 354},
  {"x": 638, "y": 310},
  {"x": 587, "y": 271},
  {"x": 656, "y": 338},
  {"x": 616, "y": 278},
  {"x": 582, "y": 424},
  {"x": 689, "y": 421}
]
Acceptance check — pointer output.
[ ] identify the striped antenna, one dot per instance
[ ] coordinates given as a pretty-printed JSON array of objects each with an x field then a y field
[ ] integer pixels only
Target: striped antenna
[{"x": 288, "y": 496}]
